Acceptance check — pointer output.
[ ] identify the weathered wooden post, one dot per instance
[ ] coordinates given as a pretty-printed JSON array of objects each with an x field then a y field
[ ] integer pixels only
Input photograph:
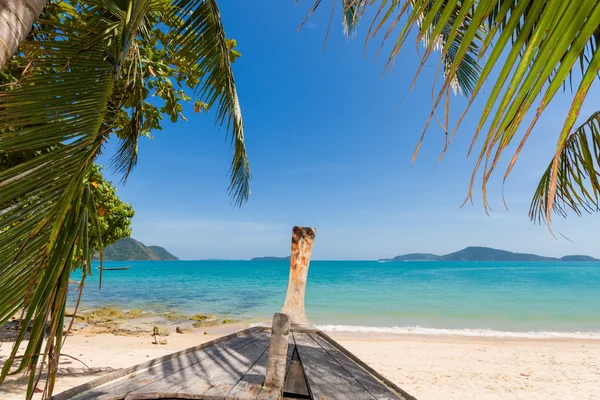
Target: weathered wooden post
[
  {"x": 278, "y": 348},
  {"x": 302, "y": 244}
]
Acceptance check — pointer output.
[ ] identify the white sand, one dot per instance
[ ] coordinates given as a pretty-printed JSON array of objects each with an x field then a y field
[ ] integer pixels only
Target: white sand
[
  {"x": 433, "y": 368},
  {"x": 430, "y": 368}
]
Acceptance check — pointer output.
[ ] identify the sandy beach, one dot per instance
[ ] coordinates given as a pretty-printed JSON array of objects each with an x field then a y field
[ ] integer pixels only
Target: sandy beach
[{"x": 428, "y": 367}]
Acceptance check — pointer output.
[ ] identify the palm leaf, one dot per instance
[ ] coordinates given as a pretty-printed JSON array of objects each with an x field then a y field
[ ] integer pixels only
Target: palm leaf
[
  {"x": 88, "y": 75},
  {"x": 45, "y": 201},
  {"x": 353, "y": 9},
  {"x": 529, "y": 47},
  {"x": 202, "y": 41},
  {"x": 577, "y": 176}
]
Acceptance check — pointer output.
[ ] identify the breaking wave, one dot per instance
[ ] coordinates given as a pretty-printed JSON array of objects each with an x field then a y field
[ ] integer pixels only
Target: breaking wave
[{"x": 418, "y": 330}]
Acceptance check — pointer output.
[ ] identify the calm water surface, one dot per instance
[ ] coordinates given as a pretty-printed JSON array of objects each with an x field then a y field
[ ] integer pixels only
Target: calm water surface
[{"x": 427, "y": 297}]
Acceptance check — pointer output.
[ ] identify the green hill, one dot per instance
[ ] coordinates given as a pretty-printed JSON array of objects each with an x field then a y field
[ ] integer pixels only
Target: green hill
[
  {"x": 162, "y": 253},
  {"x": 131, "y": 249},
  {"x": 488, "y": 254},
  {"x": 474, "y": 253}
]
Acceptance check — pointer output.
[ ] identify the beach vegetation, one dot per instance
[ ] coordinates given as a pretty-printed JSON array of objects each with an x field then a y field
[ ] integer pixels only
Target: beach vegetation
[
  {"x": 114, "y": 215},
  {"x": 90, "y": 72}
]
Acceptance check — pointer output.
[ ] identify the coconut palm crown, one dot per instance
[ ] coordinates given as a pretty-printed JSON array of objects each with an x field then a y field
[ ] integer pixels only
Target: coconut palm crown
[{"x": 527, "y": 51}]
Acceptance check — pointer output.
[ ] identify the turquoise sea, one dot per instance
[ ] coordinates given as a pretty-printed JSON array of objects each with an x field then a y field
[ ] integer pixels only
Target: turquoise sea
[{"x": 521, "y": 299}]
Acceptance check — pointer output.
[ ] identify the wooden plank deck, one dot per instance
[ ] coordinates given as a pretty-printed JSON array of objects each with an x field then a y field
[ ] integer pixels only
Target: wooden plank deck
[
  {"x": 375, "y": 387},
  {"x": 126, "y": 380},
  {"x": 325, "y": 376},
  {"x": 234, "y": 367}
]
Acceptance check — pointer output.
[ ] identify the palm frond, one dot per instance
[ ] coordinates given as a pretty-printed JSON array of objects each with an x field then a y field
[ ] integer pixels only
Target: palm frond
[
  {"x": 89, "y": 80},
  {"x": 351, "y": 17},
  {"x": 129, "y": 94},
  {"x": 469, "y": 69},
  {"x": 530, "y": 48},
  {"x": 203, "y": 43},
  {"x": 125, "y": 159},
  {"x": 45, "y": 202},
  {"x": 577, "y": 175}
]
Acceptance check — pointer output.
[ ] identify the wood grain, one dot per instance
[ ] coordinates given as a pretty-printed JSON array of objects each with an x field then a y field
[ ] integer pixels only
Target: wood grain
[
  {"x": 165, "y": 371},
  {"x": 326, "y": 378}
]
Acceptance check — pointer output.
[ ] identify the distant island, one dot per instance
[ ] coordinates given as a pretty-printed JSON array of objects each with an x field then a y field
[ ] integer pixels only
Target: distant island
[
  {"x": 270, "y": 258},
  {"x": 578, "y": 258},
  {"x": 474, "y": 253},
  {"x": 131, "y": 249}
]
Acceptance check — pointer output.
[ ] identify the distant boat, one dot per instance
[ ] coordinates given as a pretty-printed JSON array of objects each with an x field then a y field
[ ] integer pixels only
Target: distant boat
[{"x": 116, "y": 268}]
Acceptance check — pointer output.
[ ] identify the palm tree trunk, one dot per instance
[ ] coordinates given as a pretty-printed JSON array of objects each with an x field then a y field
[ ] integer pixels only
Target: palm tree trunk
[{"x": 16, "y": 19}]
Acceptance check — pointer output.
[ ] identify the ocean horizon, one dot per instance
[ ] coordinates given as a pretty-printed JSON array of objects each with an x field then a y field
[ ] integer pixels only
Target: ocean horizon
[{"x": 466, "y": 298}]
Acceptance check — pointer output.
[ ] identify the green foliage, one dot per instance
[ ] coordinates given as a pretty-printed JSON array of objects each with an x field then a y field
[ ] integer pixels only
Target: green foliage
[
  {"x": 88, "y": 70},
  {"x": 200, "y": 33},
  {"x": 14, "y": 158},
  {"x": 532, "y": 49},
  {"x": 114, "y": 215},
  {"x": 578, "y": 163}
]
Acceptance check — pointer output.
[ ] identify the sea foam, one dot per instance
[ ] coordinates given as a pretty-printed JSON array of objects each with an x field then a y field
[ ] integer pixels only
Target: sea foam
[{"x": 418, "y": 330}]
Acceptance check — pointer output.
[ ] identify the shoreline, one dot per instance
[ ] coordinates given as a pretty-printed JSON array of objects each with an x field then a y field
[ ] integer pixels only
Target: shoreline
[
  {"x": 462, "y": 332},
  {"x": 136, "y": 322},
  {"x": 450, "y": 339},
  {"x": 428, "y": 367},
  {"x": 112, "y": 319}
]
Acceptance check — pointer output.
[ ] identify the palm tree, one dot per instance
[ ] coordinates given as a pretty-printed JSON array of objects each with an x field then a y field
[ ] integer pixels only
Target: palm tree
[
  {"x": 16, "y": 19},
  {"x": 88, "y": 73},
  {"x": 528, "y": 50}
]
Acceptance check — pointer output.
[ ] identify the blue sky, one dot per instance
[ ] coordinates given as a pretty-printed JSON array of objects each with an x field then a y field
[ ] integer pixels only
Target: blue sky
[{"x": 327, "y": 151}]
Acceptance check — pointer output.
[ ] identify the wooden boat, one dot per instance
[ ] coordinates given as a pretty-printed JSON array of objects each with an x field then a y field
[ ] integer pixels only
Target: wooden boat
[
  {"x": 290, "y": 360},
  {"x": 116, "y": 268}
]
